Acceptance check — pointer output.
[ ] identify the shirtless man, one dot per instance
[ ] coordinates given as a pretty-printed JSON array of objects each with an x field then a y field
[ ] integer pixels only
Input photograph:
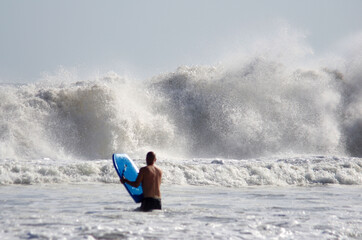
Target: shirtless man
[{"x": 150, "y": 177}]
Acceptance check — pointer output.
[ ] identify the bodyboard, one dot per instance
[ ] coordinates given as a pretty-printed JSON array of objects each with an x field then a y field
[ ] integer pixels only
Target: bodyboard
[{"x": 126, "y": 167}]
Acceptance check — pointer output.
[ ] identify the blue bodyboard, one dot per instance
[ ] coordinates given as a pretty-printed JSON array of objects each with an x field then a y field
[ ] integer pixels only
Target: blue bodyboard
[{"x": 126, "y": 167}]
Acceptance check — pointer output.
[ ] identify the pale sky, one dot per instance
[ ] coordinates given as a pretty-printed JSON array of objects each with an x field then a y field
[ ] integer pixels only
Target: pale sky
[{"x": 146, "y": 38}]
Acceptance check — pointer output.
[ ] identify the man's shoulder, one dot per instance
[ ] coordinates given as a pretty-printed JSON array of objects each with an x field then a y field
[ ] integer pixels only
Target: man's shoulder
[
  {"x": 158, "y": 170},
  {"x": 145, "y": 168},
  {"x": 150, "y": 168}
]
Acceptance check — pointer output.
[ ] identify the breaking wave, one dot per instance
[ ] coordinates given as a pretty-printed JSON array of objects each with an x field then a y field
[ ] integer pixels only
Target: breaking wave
[{"x": 260, "y": 105}]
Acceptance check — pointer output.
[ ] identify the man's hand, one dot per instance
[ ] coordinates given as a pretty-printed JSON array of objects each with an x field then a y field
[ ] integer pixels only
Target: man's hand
[{"x": 123, "y": 180}]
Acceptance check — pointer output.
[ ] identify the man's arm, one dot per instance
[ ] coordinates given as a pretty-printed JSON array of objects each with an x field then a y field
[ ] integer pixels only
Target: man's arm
[{"x": 135, "y": 183}]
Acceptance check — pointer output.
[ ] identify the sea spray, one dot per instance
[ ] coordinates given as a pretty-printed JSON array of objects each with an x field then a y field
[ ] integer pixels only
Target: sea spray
[
  {"x": 83, "y": 119},
  {"x": 260, "y": 105},
  {"x": 261, "y": 108}
]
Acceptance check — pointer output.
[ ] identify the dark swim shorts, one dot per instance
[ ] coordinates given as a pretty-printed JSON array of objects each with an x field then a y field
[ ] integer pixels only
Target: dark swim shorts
[{"x": 149, "y": 204}]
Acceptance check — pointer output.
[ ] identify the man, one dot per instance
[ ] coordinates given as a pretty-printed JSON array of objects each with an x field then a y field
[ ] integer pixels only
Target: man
[{"x": 150, "y": 177}]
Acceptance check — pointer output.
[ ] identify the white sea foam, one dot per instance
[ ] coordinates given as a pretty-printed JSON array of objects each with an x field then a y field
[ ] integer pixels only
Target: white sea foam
[{"x": 302, "y": 171}]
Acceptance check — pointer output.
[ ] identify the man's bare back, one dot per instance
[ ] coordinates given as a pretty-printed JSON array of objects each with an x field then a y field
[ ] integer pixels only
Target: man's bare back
[{"x": 151, "y": 181}]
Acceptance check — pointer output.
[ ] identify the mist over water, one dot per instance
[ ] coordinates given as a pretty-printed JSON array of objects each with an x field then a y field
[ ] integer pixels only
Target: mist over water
[{"x": 261, "y": 104}]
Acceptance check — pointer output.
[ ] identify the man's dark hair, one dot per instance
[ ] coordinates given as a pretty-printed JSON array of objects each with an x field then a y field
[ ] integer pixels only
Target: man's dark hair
[{"x": 150, "y": 158}]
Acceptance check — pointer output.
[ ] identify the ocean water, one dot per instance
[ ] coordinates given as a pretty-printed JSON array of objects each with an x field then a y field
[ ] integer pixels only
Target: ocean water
[
  {"x": 105, "y": 211},
  {"x": 264, "y": 146}
]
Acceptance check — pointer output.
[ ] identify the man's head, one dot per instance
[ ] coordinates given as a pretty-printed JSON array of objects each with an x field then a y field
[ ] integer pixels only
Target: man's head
[{"x": 150, "y": 158}]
